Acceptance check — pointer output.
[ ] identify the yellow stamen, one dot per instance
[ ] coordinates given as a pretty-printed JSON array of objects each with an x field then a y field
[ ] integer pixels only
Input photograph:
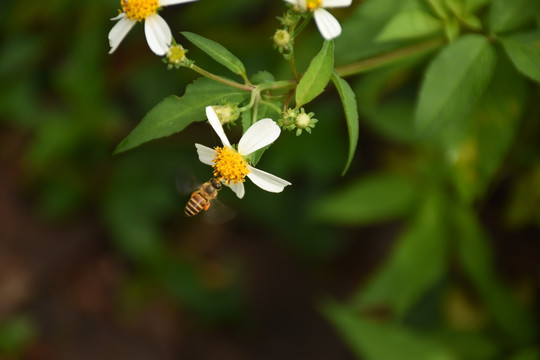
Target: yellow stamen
[
  {"x": 229, "y": 166},
  {"x": 313, "y": 4},
  {"x": 139, "y": 9}
]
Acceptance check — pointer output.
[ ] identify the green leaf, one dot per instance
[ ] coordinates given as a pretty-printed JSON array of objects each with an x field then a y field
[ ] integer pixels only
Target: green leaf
[
  {"x": 409, "y": 25},
  {"x": 479, "y": 145},
  {"x": 524, "y": 51},
  {"x": 376, "y": 341},
  {"x": 217, "y": 52},
  {"x": 373, "y": 199},
  {"x": 474, "y": 5},
  {"x": 453, "y": 82},
  {"x": 316, "y": 76},
  {"x": 403, "y": 280},
  {"x": 476, "y": 257},
  {"x": 505, "y": 15},
  {"x": 348, "y": 99},
  {"x": 174, "y": 113}
]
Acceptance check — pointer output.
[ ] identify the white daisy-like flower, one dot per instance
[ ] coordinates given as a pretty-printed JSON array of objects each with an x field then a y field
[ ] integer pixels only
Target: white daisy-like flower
[
  {"x": 328, "y": 25},
  {"x": 230, "y": 165},
  {"x": 158, "y": 34}
]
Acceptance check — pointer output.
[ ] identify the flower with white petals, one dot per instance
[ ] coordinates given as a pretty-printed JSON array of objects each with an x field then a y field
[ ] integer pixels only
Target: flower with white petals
[
  {"x": 158, "y": 34},
  {"x": 326, "y": 22},
  {"x": 230, "y": 165}
]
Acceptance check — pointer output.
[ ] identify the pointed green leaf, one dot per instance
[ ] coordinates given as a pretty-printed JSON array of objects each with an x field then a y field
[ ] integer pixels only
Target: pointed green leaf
[
  {"x": 174, "y": 113},
  {"x": 409, "y": 25},
  {"x": 217, "y": 52},
  {"x": 348, "y": 98},
  {"x": 507, "y": 15},
  {"x": 316, "y": 76},
  {"x": 479, "y": 145},
  {"x": 524, "y": 51},
  {"x": 378, "y": 341},
  {"x": 373, "y": 199},
  {"x": 475, "y": 254},
  {"x": 402, "y": 282},
  {"x": 453, "y": 83}
]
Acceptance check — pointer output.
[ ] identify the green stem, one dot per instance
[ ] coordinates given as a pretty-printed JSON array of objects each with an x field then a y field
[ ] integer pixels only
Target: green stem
[
  {"x": 388, "y": 58},
  {"x": 292, "y": 65},
  {"x": 302, "y": 25},
  {"x": 220, "y": 79}
]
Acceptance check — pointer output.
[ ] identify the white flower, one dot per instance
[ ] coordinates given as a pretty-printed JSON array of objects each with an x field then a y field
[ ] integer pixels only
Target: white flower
[
  {"x": 230, "y": 166},
  {"x": 158, "y": 34},
  {"x": 328, "y": 25}
]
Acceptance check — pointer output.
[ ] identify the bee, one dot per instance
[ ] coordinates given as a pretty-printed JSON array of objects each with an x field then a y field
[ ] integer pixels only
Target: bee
[{"x": 202, "y": 198}]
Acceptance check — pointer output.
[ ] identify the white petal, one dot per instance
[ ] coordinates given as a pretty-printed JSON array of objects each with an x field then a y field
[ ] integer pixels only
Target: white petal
[
  {"x": 206, "y": 154},
  {"x": 119, "y": 31},
  {"x": 238, "y": 189},
  {"x": 119, "y": 16},
  {"x": 216, "y": 125},
  {"x": 266, "y": 181},
  {"x": 158, "y": 34},
  {"x": 327, "y": 24},
  {"x": 262, "y": 133},
  {"x": 336, "y": 3},
  {"x": 173, "y": 2}
]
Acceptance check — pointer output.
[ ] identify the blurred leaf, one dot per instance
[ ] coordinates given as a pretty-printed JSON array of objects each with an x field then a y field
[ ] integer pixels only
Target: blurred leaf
[
  {"x": 217, "y": 52},
  {"x": 476, "y": 258},
  {"x": 372, "y": 199},
  {"x": 174, "y": 113},
  {"x": 317, "y": 75},
  {"x": 385, "y": 101},
  {"x": 374, "y": 341},
  {"x": 404, "y": 279},
  {"x": 471, "y": 345},
  {"x": 524, "y": 51},
  {"x": 348, "y": 98},
  {"x": 409, "y": 25},
  {"x": 478, "y": 146},
  {"x": 358, "y": 39},
  {"x": 453, "y": 82},
  {"x": 474, "y": 5},
  {"x": 507, "y": 15}
]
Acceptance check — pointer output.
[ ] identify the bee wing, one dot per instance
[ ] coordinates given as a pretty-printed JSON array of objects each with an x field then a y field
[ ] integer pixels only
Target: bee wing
[
  {"x": 186, "y": 182},
  {"x": 218, "y": 213}
]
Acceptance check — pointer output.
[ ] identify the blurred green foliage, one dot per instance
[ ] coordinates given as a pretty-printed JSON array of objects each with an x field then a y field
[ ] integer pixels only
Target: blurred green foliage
[{"x": 444, "y": 125}]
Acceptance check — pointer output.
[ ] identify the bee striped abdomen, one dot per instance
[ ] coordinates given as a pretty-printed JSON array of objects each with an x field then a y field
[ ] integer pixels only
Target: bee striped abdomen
[{"x": 195, "y": 204}]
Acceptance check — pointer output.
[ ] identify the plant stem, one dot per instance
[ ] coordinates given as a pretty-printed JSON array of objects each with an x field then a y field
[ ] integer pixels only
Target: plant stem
[
  {"x": 222, "y": 80},
  {"x": 388, "y": 58}
]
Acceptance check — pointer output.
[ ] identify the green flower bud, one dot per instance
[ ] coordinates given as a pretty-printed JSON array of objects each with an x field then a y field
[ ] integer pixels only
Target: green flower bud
[
  {"x": 227, "y": 113},
  {"x": 282, "y": 38}
]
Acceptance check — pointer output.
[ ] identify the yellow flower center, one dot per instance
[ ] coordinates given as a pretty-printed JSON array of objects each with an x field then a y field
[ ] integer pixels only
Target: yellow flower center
[
  {"x": 139, "y": 9},
  {"x": 313, "y": 4},
  {"x": 229, "y": 166}
]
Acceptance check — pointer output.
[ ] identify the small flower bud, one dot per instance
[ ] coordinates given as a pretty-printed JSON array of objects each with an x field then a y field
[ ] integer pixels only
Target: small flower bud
[
  {"x": 282, "y": 38},
  {"x": 304, "y": 121},
  {"x": 287, "y": 119},
  {"x": 226, "y": 113},
  {"x": 176, "y": 54}
]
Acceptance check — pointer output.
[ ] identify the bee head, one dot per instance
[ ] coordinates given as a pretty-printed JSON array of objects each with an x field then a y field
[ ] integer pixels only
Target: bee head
[{"x": 215, "y": 183}]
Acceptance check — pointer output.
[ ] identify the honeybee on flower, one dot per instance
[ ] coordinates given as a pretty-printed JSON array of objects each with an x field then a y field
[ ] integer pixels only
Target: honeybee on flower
[{"x": 230, "y": 165}]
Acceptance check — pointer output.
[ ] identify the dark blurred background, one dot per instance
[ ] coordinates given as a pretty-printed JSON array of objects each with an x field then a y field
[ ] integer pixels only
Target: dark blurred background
[{"x": 97, "y": 259}]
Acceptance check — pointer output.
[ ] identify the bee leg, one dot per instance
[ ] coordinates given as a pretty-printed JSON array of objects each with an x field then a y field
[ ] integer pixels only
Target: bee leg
[{"x": 206, "y": 206}]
